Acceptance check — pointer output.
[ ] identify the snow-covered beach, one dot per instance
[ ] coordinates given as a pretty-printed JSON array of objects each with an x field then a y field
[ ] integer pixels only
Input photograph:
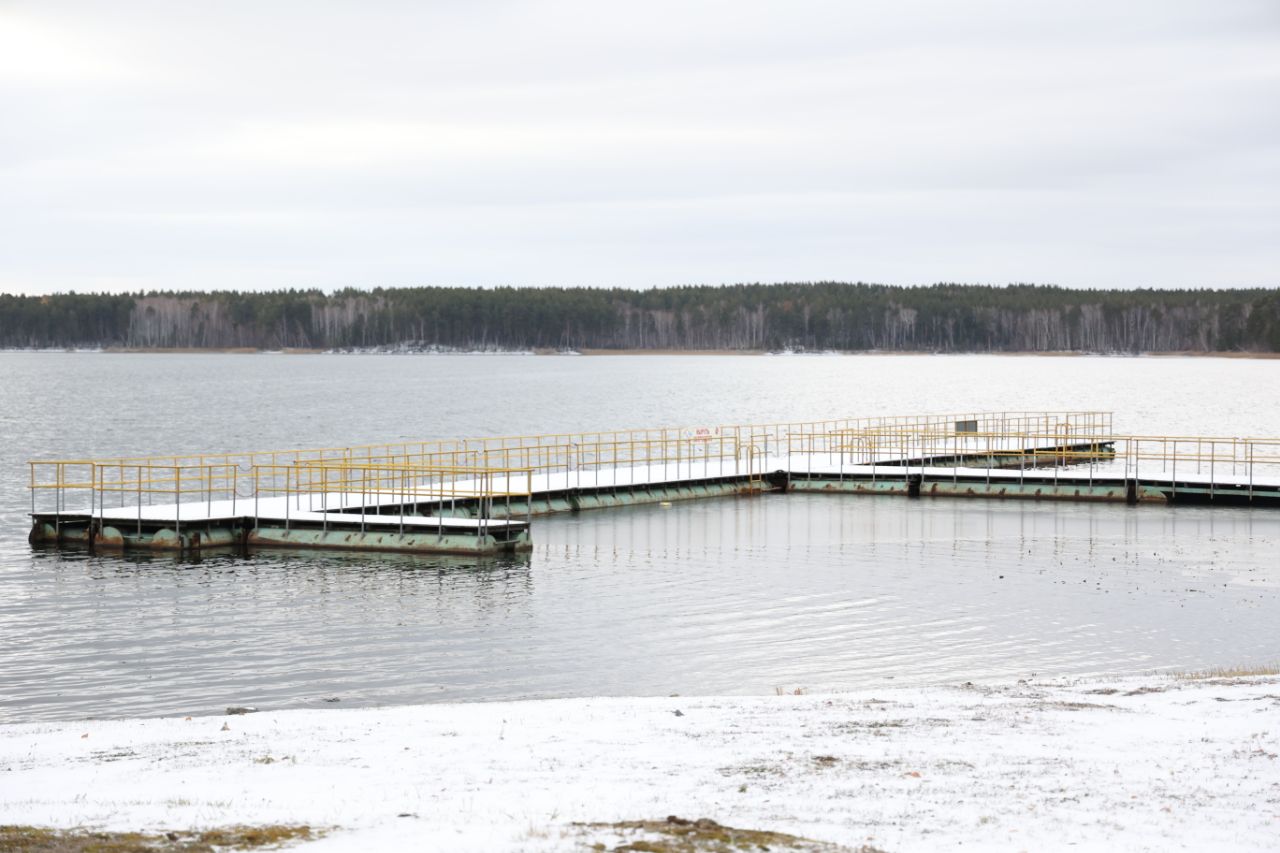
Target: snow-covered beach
[{"x": 1152, "y": 763}]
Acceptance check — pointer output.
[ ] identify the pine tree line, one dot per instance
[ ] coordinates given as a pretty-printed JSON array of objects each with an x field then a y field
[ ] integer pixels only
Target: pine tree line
[{"x": 817, "y": 316}]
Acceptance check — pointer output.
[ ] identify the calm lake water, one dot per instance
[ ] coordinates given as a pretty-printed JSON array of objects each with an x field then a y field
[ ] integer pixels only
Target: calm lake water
[{"x": 734, "y": 595}]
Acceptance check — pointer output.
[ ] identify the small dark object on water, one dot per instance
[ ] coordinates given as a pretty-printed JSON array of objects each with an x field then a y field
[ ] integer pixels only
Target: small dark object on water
[
  {"x": 332, "y": 699},
  {"x": 237, "y": 710},
  {"x": 679, "y": 713}
]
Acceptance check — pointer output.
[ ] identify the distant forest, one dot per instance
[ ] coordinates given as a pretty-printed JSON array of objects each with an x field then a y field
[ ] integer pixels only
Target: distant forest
[{"x": 817, "y": 316}]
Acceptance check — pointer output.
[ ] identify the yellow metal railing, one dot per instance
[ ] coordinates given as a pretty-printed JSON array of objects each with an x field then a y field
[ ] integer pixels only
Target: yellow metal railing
[
  {"x": 581, "y": 462},
  {"x": 769, "y": 436},
  {"x": 123, "y": 492},
  {"x": 514, "y": 468},
  {"x": 1212, "y": 458},
  {"x": 582, "y": 458},
  {"x": 1185, "y": 461},
  {"x": 60, "y": 478},
  {"x": 364, "y": 489}
]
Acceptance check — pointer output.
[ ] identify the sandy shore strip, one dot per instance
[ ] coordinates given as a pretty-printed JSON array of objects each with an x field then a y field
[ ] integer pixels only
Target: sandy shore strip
[{"x": 1156, "y": 763}]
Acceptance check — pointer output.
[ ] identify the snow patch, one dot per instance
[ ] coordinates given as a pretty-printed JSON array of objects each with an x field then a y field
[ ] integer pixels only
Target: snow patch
[{"x": 1135, "y": 764}]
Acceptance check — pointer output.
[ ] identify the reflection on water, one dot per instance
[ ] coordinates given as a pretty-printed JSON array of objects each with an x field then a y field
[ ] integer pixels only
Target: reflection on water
[
  {"x": 735, "y": 595},
  {"x": 133, "y": 634}
]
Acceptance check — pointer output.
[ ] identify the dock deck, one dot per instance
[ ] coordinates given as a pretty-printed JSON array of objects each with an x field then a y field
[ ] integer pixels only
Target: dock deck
[{"x": 480, "y": 495}]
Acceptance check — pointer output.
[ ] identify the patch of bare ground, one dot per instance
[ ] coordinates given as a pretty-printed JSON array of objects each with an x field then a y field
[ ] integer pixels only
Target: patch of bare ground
[
  {"x": 1143, "y": 691},
  {"x": 756, "y": 769},
  {"x": 873, "y": 725},
  {"x": 678, "y": 835},
  {"x": 1137, "y": 691},
  {"x": 1077, "y": 706},
  {"x": 38, "y": 839}
]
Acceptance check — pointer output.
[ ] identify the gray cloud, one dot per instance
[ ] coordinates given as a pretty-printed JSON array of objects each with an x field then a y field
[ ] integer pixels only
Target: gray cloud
[{"x": 161, "y": 145}]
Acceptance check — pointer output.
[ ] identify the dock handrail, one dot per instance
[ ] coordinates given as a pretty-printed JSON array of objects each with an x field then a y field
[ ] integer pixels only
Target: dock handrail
[
  {"x": 1090, "y": 422},
  {"x": 360, "y": 487},
  {"x": 1217, "y": 456},
  {"x": 582, "y": 457},
  {"x": 582, "y": 462}
]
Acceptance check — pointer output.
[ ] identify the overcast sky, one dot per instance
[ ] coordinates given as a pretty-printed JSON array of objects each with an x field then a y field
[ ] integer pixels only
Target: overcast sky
[{"x": 325, "y": 144}]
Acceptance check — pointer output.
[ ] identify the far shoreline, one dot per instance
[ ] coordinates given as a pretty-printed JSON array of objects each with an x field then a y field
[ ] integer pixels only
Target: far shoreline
[{"x": 595, "y": 352}]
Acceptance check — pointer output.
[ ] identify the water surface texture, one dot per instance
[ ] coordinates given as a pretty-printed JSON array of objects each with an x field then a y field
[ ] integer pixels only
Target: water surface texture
[{"x": 735, "y": 595}]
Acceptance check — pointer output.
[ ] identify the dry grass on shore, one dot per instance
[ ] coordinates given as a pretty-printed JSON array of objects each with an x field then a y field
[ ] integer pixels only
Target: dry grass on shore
[
  {"x": 44, "y": 840},
  {"x": 673, "y": 835},
  {"x": 1231, "y": 672}
]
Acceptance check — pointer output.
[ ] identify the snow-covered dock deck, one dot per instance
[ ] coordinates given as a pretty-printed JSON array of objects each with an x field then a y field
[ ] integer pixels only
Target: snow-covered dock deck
[{"x": 479, "y": 495}]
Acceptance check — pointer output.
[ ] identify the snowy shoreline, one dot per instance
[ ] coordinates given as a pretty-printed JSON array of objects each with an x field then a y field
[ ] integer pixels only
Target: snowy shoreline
[{"x": 1138, "y": 763}]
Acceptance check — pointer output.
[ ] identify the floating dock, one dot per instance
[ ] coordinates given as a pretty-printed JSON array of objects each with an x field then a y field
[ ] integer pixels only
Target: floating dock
[{"x": 479, "y": 495}]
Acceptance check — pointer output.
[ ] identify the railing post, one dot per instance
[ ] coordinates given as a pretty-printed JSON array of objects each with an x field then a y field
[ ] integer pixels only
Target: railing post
[
  {"x": 1249, "y": 447},
  {"x": 177, "y": 503}
]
